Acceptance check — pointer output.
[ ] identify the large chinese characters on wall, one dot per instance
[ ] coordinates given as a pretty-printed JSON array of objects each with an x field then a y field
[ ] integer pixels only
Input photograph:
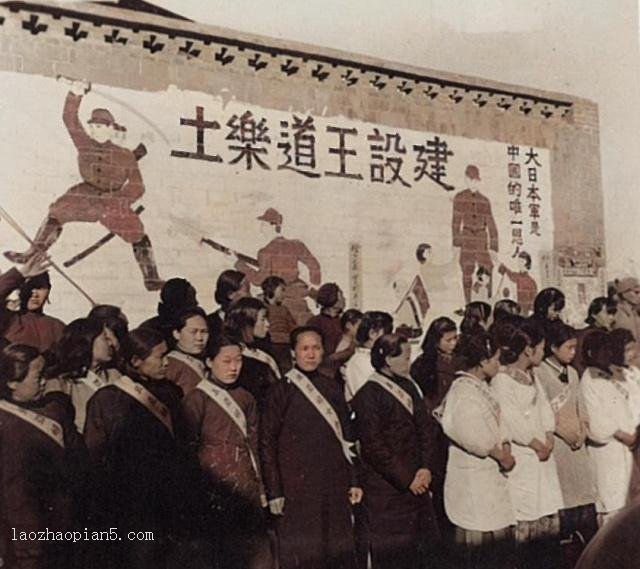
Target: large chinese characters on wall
[{"x": 413, "y": 222}]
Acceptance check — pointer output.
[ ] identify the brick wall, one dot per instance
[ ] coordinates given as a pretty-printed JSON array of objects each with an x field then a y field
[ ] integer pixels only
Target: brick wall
[{"x": 138, "y": 60}]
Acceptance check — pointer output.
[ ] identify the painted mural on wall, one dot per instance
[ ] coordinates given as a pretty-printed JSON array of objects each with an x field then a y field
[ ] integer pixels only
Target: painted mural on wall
[{"x": 436, "y": 221}]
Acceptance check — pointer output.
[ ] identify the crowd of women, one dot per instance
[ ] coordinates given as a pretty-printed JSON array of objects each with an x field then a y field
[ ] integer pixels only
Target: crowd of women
[{"x": 242, "y": 439}]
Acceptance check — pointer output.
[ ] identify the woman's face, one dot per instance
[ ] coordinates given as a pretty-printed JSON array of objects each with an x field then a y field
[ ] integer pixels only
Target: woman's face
[
  {"x": 566, "y": 352},
  {"x": 448, "y": 342},
  {"x": 193, "y": 336},
  {"x": 308, "y": 351},
  {"x": 103, "y": 348},
  {"x": 604, "y": 319},
  {"x": 226, "y": 366},
  {"x": 491, "y": 366},
  {"x": 553, "y": 313},
  {"x": 261, "y": 327},
  {"x": 536, "y": 354},
  {"x": 154, "y": 366},
  {"x": 400, "y": 364},
  {"x": 630, "y": 350},
  {"x": 32, "y": 386},
  {"x": 242, "y": 292}
]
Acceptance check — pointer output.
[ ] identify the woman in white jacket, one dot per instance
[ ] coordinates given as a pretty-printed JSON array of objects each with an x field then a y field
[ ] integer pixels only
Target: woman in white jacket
[
  {"x": 475, "y": 491},
  {"x": 611, "y": 421},
  {"x": 529, "y": 421}
]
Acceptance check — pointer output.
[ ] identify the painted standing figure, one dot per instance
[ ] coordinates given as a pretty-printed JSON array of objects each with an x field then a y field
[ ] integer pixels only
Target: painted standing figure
[
  {"x": 474, "y": 229},
  {"x": 111, "y": 184},
  {"x": 280, "y": 258}
]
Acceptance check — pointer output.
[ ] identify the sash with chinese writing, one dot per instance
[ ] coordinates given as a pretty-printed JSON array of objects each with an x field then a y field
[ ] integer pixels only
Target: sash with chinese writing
[
  {"x": 394, "y": 389},
  {"x": 147, "y": 399},
  {"x": 93, "y": 381},
  {"x": 230, "y": 406},
  {"x": 310, "y": 391},
  {"x": 49, "y": 427},
  {"x": 263, "y": 357},
  {"x": 560, "y": 400},
  {"x": 484, "y": 391},
  {"x": 194, "y": 363}
]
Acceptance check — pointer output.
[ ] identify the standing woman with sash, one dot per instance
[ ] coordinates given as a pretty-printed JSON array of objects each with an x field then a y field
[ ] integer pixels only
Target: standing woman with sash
[
  {"x": 38, "y": 447},
  {"x": 529, "y": 424},
  {"x": 131, "y": 433},
  {"x": 247, "y": 323},
  {"x": 185, "y": 363},
  {"x": 222, "y": 425},
  {"x": 308, "y": 462},
  {"x": 83, "y": 362},
  {"x": 476, "y": 493},
  {"x": 561, "y": 384},
  {"x": 397, "y": 437}
]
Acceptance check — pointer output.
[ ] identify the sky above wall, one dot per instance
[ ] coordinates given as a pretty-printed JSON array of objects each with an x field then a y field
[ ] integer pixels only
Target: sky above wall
[{"x": 586, "y": 48}]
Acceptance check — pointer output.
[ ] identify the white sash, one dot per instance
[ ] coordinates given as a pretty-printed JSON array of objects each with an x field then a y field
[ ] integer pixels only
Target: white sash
[
  {"x": 484, "y": 390},
  {"x": 560, "y": 400},
  {"x": 400, "y": 394},
  {"x": 147, "y": 399},
  {"x": 310, "y": 391},
  {"x": 93, "y": 381},
  {"x": 49, "y": 427},
  {"x": 263, "y": 357},
  {"x": 230, "y": 406},
  {"x": 194, "y": 363}
]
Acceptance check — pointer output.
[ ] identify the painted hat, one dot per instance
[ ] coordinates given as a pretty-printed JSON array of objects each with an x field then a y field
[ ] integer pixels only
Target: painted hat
[
  {"x": 272, "y": 216},
  {"x": 102, "y": 116}
]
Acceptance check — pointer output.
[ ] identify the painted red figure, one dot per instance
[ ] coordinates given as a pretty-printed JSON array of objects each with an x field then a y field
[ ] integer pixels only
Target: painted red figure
[
  {"x": 474, "y": 230},
  {"x": 526, "y": 287},
  {"x": 111, "y": 184},
  {"x": 280, "y": 258}
]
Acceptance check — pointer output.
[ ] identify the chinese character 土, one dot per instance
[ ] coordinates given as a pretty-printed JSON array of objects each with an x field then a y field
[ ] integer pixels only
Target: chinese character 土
[
  {"x": 200, "y": 125},
  {"x": 252, "y": 137},
  {"x": 432, "y": 160},
  {"x": 300, "y": 154},
  {"x": 386, "y": 154}
]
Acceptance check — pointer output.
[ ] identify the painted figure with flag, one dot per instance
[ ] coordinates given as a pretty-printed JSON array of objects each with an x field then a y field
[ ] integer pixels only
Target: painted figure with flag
[{"x": 412, "y": 310}]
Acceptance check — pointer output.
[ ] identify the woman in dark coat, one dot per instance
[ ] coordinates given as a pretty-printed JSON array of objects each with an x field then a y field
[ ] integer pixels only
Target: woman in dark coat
[
  {"x": 130, "y": 433},
  {"x": 247, "y": 323},
  {"x": 222, "y": 425},
  {"x": 39, "y": 447},
  {"x": 397, "y": 443},
  {"x": 434, "y": 370},
  {"x": 307, "y": 463}
]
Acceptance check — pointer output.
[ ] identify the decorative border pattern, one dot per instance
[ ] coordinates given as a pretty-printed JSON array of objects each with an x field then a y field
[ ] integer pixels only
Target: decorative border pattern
[{"x": 157, "y": 39}]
